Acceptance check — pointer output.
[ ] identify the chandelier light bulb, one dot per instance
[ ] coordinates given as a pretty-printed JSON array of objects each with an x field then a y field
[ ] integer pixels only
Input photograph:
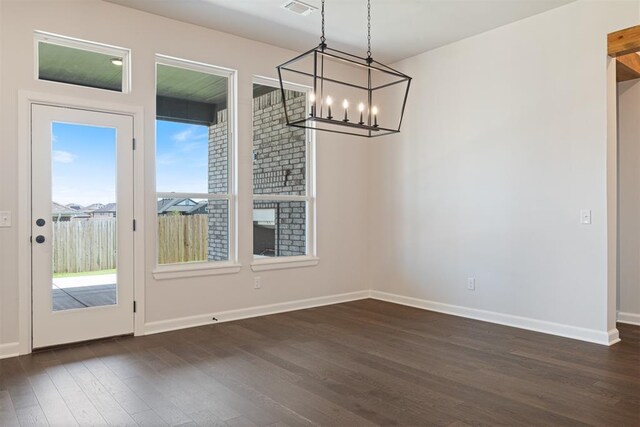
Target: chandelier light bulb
[
  {"x": 312, "y": 101},
  {"x": 345, "y": 105},
  {"x": 329, "y": 101},
  {"x": 361, "y": 109}
]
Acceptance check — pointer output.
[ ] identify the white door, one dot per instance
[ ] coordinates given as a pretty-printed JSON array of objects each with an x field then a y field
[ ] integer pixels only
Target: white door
[{"x": 82, "y": 224}]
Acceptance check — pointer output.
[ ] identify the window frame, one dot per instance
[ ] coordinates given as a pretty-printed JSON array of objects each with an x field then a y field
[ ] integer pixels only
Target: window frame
[
  {"x": 205, "y": 268},
  {"x": 311, "y": 256},
  {"x": 73, "y": 43}
]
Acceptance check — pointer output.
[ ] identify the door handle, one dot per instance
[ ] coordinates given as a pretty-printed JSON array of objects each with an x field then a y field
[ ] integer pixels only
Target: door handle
[
  {"x": 40, "y": 239},
  {"x": 40, "y": 222}
]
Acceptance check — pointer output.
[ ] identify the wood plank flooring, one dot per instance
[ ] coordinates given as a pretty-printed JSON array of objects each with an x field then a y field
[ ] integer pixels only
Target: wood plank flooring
[{"x": 355, "y": 364}]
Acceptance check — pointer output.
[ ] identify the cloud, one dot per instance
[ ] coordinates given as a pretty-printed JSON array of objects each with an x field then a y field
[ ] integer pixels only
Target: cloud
[
  {"x": 63, "y": 156},
  {"x": 190, "y": 135}
]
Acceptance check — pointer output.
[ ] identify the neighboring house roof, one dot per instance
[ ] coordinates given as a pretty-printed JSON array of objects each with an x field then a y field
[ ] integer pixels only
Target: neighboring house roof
[
  {"x": 61, "y": 210},
  {"x": 75, "y": 207},
  {"x": 94, "y": 207},
  {"x": 108, "y": 208},
  {"x": 184, "y": 206},
  {"x": 199, "y": 208}
]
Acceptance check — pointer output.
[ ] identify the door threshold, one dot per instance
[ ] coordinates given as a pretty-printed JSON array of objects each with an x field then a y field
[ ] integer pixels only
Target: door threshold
[{"x": 77, "y": 344}]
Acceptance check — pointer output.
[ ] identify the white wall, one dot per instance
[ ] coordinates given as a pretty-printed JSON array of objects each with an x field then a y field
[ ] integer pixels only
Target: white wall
[
  {"x": 504, "y": 142},
  {"x": 629, "y": 201},
  {"x": 342, "y": 162}
]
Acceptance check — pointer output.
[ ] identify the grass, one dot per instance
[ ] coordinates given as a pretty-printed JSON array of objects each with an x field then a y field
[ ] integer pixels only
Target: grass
[{"x": 85, "y": 273}]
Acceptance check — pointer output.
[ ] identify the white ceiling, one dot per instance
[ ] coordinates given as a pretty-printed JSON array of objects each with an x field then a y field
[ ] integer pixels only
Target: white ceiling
[{"x": 400, "y": 28}]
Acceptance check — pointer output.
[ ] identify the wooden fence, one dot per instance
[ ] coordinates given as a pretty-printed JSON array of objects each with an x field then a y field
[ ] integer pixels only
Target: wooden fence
[
  {"x": 91, "y": 245},
  {"x": 84, "y": 245},
  {"x": 182, "y": 238}
]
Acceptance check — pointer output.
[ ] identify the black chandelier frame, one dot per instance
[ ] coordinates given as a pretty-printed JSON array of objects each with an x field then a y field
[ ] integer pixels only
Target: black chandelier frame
[{"x": 367, "y": 126}]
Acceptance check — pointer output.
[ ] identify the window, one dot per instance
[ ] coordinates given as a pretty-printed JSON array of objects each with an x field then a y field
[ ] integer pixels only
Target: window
[
  {"x": 194, "y": 167},
  {"x": 65, "y": 60},
  {"x": 283, "y": 191}
]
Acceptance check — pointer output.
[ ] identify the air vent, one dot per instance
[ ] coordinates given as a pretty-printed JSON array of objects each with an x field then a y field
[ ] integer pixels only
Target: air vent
[{"x": 299, "y": 7}]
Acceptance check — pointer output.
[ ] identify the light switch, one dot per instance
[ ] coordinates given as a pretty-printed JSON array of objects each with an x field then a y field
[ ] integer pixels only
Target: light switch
[
  {"x": 5, "y": 219},
  {"x": 585, "y": 216}
]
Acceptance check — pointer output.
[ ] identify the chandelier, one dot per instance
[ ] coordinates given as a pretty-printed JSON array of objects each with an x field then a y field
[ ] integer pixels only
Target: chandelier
[{"x": 370, "y": 96}]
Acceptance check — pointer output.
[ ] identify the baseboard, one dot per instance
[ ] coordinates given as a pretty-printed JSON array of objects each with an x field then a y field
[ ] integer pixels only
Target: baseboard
[
  {"x": 11, "y": 349},
  {"x": 630, "y": 318},
  {"x": 583, "y": 334},
  {"x": 244, "y": 313},
  {"x": 614, "y": 336}
]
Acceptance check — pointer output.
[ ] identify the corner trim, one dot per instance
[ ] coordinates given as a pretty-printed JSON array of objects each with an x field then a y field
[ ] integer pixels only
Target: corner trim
[
  {"x": 567, "y": 331},
  {"x": 629, "y": 318},
  {"x": 11, "y": 349},
  {"x": 244, "y": 313},
  {"x": 613, "y": 337}
]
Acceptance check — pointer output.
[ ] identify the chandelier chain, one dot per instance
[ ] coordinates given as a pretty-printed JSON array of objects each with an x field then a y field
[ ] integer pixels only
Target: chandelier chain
[
  {"x": 368, "y": 28},
  {"x": 323, "y": 39}
]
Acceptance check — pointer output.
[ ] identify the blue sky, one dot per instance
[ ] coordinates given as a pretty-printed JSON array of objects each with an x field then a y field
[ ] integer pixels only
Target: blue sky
[
  {"x": 182, "y": 152},
  {"x": 83, "y": 164},
  {"x": 83, "y": 161}
]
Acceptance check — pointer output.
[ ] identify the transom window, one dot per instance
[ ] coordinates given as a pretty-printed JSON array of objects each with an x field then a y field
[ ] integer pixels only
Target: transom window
[{"x": 82, "y": 63}]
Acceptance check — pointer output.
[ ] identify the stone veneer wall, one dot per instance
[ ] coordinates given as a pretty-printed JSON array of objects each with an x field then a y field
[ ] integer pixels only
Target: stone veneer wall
[{"x": 279, "y": 167}]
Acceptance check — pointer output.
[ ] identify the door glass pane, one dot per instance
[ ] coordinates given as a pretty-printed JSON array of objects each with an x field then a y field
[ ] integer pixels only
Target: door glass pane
[{"x": 84, "y": 215}]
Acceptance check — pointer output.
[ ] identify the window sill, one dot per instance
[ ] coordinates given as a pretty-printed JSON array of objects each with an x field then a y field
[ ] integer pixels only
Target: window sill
[
  {"x": 179, "y": 271},
  {"x": 283, "y": 263}
]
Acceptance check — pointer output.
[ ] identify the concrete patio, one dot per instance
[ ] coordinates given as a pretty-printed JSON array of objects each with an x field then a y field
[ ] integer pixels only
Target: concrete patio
[{"x": 83, "y": 291}]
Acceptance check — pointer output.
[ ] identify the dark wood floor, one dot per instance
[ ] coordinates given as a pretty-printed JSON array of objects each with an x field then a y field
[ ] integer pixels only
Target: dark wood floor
[{"x": 354, "y": 364}]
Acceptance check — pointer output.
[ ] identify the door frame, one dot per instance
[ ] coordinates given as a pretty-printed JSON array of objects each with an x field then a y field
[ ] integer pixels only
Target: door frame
[
  {"x": 619, "y": 43},
  {"x": 25, "y": 100}
]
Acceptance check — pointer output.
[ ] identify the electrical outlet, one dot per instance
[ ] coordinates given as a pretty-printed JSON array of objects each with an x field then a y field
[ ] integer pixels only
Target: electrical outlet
[
  {"x": 5, "y": 219},
  {"x": 585, "y": 216},
  {"x": 471, "y": 283},
  {"x": 257, "y": 284}
]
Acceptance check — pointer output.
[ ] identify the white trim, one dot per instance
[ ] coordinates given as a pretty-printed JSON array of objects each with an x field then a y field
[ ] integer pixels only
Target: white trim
[
  {"x": 73, "y": 43},
  {"x": 629, "y": 318},
  {"x": 310, "y": 196},
  {"x": 188, "y": 64},
  {"x": 11, "y": 349},
  {"x": 280, "y": 263},
  {"x": 281, "y": 198},
  {"x": 244, "y": 313},
  {"x": 25, "y": 100},
  {"x": 178, "y": 271},
  {"x": 187, "y": 269},
  {"x": 567, "y": 331},
  {"x": 208, "y": 196},
  {"x": 613, "y": 337}
]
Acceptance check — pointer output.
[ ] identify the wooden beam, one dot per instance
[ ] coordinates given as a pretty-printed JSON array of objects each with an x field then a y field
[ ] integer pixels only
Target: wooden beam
[
  {"x": 624, "y": 42},
  {"x": 628, "y": 67}
]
